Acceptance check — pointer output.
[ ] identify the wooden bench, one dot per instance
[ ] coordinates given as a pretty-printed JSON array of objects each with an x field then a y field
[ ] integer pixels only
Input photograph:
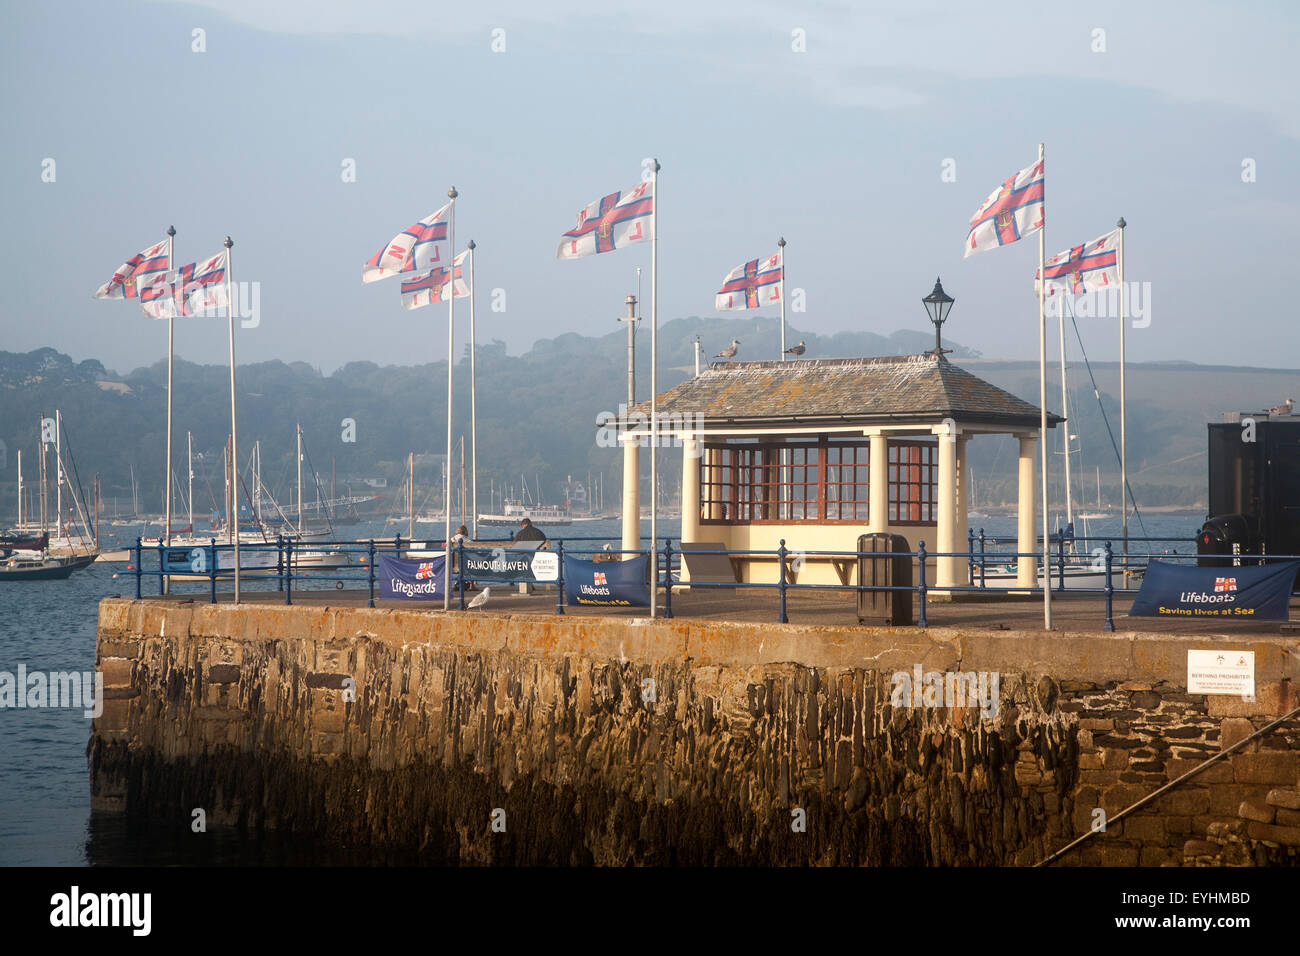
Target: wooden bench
[
  {"x": 709, "y": 568},
  {"x": 843, "y": 564}
]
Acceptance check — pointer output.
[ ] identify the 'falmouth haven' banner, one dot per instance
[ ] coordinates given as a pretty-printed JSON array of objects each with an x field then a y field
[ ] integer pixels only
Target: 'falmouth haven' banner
[
  {"x": 1246, "y": 593},
  {"x": 609, "y": 583},
  {"x": 408, "y": 580},
  {"x": 512, "y": 565}
]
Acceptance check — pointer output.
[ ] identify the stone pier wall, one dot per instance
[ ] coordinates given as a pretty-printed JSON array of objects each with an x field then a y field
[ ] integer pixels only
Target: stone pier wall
[{"x": 496, "y": 738}]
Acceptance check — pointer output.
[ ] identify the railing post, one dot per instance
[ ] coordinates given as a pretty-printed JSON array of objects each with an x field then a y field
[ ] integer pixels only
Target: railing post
[
  {"x": 1060, "y": 561},
  {"x": 982, "y": 557},
  {"x": 1110, "y": 591},
  {"x": 371, "y": 564},
  {"x": 162, "y": 578},
  {"x": 397, "y": 545},
  {"x": 668, "y": 577},
  {"x": 279, "y": 562},
  {"x": 139, "y": 553},
  {"x": 212, "y": 570},
  {"x": 559, "y": 584},
  {"x": 460, "y": 570},
  {"x": 920, "y": 563},
  {"x": 780, "y": 581},
  {"x": 970, "y": 556},
  {"x": 288, "y": 570}
]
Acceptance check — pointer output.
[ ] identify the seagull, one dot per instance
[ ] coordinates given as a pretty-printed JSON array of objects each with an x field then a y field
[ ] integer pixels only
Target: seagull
[
  {"x": 607, "y": 547},
  {"x": 796, "y": 350},
  {"x": 481, "y": 598},
  {"x": 1283, "y": 409},
  {"x": 730, "y": 351}
]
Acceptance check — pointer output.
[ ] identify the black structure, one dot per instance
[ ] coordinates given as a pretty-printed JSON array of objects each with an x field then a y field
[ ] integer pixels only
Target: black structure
[{"x": 1254, "y": 494}]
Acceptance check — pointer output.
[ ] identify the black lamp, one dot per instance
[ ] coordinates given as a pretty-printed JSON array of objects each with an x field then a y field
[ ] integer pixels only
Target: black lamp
[{"x": 937, "y": 305}]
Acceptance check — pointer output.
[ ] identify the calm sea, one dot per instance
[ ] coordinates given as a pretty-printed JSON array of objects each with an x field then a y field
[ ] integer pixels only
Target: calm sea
[{"x": 47, "y": 626}]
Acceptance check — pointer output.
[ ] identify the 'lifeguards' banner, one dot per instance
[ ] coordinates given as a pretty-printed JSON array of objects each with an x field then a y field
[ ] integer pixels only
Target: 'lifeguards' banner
[
  {"x": 1251, "y": 593},
  {"x": 607, "y": 583},
  {"x": 405, "y": 580}
]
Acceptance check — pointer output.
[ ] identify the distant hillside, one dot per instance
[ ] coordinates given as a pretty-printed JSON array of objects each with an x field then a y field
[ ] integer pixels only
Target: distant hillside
[{"x": 537, "y": 412}]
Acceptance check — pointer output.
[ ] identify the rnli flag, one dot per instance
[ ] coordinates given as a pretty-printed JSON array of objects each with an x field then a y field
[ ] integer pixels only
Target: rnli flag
[
  {"x": 142, "y": 268},
  {"x": 432, "y": 287},
  {"x": 610, "y": 223},
  {"x": 1086, "y": 268},
  {"x": 163, "y": 297},
  {"x": 418, "y": 248},
  {"x": 752, "y": 285},
  {"x": 1012, "y": 211},
  {"x": 205, "y": 289}
]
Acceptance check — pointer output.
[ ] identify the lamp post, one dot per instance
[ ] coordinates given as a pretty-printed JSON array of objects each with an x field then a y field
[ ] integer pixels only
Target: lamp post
[{"x": 937, "y": 306}]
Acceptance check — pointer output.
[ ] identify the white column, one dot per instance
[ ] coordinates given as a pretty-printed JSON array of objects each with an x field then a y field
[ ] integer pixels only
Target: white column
[
  {"x": 963, "y": 506},
  {"x": 631, "y": 498},
  {"x": 878, "y": 489},
  {"x": 947, "y": 569},
  {"x": 1026, "y": 538},
  {"x": 691, "y": 489}
]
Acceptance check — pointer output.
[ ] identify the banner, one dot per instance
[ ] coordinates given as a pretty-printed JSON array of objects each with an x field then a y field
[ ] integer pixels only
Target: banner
[
  {"x": 511, "y": 565},
  {"x": 606, "y": 584},
  {"x": 1251, "y": 593},
  {"x": 400, "y": 579},
  {"x": 197, "y": 560}
]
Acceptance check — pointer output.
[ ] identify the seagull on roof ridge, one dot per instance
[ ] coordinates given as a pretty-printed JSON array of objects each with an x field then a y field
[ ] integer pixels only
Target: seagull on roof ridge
[
  {"x": 729, "y": 351},
  {"x": 796, "y": 350}
]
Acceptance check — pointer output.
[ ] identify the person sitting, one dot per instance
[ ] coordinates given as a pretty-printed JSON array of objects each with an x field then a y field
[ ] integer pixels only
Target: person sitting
[{"x": 529, "y": 532}]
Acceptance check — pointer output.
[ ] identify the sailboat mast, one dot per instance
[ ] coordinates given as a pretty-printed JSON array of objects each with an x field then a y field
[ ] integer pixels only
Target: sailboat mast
[
  {"x": 20, "y": 489},
  {"x": 189, "y": 458},
  {"x": 410, "y": 496},
  {"x": 58, "y": 471}
]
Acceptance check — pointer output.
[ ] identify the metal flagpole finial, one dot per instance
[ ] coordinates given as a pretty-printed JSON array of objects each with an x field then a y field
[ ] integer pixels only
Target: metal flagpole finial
[
  {"x": 1121, "y": 222},
  {"x": 471, "y": 244},
  {"x": 781, "y": 242},
  {"x": 451, "y": 193},
  {"x": 171, "y": 230},
  {"x": 229, "y": 242}
]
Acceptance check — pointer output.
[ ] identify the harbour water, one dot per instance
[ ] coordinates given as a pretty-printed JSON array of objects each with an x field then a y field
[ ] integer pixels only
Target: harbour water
[{"x": 49, "y": 626}]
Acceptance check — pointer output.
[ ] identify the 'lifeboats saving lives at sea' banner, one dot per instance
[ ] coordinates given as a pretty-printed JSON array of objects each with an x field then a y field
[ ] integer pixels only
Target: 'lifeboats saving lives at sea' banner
[
  {"x": 1243, "y": 593},
  {"x": 607, "y": 584},
  {"x": 401, "y": 579}
]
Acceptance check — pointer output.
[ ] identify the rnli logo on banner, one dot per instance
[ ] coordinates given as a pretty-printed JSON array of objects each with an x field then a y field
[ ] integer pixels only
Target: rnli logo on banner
[
  {"x": 1225, "y": 584},
  {"x": 599, "y": 579},
  {"x": 424, "y": 571}
]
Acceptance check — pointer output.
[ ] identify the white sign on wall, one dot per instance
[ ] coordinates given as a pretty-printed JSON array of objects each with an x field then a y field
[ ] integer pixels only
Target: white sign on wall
[{"x": 1221, "y": 672}]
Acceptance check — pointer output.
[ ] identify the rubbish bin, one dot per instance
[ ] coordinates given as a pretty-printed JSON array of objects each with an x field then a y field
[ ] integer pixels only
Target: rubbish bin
[{"x": 890, "y": 567}]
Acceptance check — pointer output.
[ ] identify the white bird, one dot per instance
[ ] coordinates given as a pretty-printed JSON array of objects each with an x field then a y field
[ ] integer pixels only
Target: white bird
[
  {"x": 796, "y": 350},
  {"x": 1283, "y": 409},
  {"x": 607, "y": 547},
  {"x": 730, "y": 351},
  {"x": 481, "y": 598}
]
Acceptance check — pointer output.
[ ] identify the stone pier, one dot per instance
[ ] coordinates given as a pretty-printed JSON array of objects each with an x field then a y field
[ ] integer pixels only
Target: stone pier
[{"x": 525, "y": 738}]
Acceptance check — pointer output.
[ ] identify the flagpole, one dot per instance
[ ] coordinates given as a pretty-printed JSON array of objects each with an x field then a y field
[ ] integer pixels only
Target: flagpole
[
  {"x": 1123, "y": 409},
  {"x": 780, "y": 244},
  {"x": 451, "y": 361},
  {"x": 1042, "y": 401},
  {"x": 654, "y": 392},
  {"x": 234, "y": 433},
  {"x": 167, "y": 477},
  {"x": 473, "y": 395}
]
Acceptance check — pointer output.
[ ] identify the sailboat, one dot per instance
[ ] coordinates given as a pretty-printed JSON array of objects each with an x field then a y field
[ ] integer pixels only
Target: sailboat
[{"x": 1099, "y": 513}]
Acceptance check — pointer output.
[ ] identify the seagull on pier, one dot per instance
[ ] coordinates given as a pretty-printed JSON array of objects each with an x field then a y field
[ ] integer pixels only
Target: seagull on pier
[
  {"x": 730, "y": 351},
  {"x": 1283, "y": 409},
  {"x": 480, "y": 599},
  {"x": 796, "y": 350}
]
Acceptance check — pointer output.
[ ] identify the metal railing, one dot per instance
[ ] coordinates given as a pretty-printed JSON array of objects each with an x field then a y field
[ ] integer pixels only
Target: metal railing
[{"x": 983, "y": 566}]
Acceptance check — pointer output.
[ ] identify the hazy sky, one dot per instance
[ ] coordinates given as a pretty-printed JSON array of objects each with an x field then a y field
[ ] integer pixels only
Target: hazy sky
[{"x": 840, "y": 148}]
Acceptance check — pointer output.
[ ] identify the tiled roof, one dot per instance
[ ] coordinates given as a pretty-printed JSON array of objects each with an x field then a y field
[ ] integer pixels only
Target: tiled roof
[{"x": 914, "y": 388}]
